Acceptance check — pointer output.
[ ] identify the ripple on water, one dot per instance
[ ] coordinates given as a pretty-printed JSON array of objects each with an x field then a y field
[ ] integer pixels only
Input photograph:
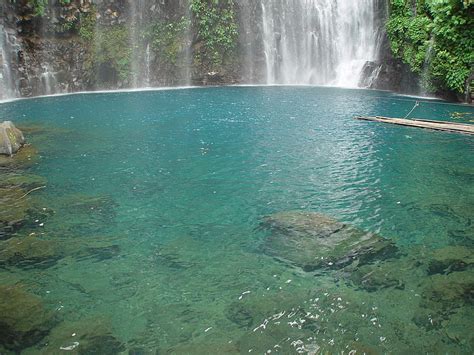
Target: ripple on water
[{"x": 149, "y": 223}]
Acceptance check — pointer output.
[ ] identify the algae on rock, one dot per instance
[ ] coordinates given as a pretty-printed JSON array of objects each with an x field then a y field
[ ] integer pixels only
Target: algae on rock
[
  {"x": 24, "y": 320},
  {"x": 313, "y": 241},
  {"x": 28, "y": 251},
  {"x": 11, "y": 138}
]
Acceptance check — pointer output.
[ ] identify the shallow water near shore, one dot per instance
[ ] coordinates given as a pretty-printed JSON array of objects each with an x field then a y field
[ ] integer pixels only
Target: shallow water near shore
[{"x": 165, "y": 191}]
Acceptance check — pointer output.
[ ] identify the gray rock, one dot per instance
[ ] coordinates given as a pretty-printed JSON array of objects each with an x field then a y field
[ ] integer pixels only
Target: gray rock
[
  {"x": 314, "y": 241},
  {"x": 11, "y": 138}
]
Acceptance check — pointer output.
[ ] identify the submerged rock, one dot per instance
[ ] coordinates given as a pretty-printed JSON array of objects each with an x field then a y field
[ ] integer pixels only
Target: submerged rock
[
  {"x": 214, "y": 347},
  {"x": 11, "y": 138},
  {"x": 28, "y": 251},
  {"x": 442, "y": 296},
  {"x": 13, "y": 209},
  {"x": 450, "y": 259},
  {"x": 95, "y": 250},
  {"x": 312, "y": 241},
  {"x": 87, "y": 336},
  {"x": 23, "y": 319},
  {"x": 376, "y": 277},
  {"x": 24, "y": 158},
  {"x": 450, "y": 291},
  {"x": 23, "y": 181}
]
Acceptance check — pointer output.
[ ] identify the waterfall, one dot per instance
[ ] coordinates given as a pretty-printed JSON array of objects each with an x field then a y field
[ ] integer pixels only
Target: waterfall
[
  {"x": 138, "y": 64},
  {"x": 188, "y": 52},
  {"x": 7, "y": 85},
  {"x": 322, "y": 42}
]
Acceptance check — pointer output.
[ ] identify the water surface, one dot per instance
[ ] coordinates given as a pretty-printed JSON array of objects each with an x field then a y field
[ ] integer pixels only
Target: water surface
[{"x": 176, "y": 184}]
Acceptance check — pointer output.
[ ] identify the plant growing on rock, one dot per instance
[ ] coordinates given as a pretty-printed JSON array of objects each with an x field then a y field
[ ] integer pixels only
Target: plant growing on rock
[
  {"x": 435, "y": 39},
  {"x": 216, "y": 27},
  {"x": 168, "y": 39}
]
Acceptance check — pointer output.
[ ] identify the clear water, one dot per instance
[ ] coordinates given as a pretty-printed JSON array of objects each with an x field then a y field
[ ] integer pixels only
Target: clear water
[{"x": 188, "y": 175}]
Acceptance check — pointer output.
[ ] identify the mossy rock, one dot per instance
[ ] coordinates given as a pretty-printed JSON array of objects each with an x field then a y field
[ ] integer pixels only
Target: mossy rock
[
  {"x": 98, "y": 249},
  {"x": 452, "y": 290},
  {"x": 13, "y": 209},
  {"x": 87, "y": 336},
  {"x": 24, "y": 321},
  {"x": 450, "y": 259},
  {"x": 23, "y": 181},
  {"x": 28, "y": 251},
  {"x": 313, "y": 241},
  {"x": 442, "y": 296},
  {"x": 93, "y": 215},
  {"x": 464, "y": 236},
  {"x": 203, "y": 348},
  {"x": 11, "y": 138},
  {"x": 24, "y": 158},
  {"x": 378, "y": 276}
]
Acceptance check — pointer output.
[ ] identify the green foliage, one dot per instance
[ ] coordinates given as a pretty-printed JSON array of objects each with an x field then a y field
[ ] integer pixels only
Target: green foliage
[
  {"x": 39, "y": 6},
  {"x": 112, "y": 48},
  {"x": 435, "y": 38},
  {"x": 216, "y": 27},
  {"x": 169, "y": 39},
  {"x": 87, "y": 22}
]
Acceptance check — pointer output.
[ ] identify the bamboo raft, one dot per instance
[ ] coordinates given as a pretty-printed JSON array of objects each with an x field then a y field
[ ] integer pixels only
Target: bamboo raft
[{"x": 463, "y": 128}]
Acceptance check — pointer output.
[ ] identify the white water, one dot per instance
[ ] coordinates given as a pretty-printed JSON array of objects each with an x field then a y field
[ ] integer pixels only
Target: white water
[
  {"x": 7, "y": 87},
  {"x": 137, "y": 12},
  {"x": 296, "y": 42},
  {"x": 318, "y": 42}
]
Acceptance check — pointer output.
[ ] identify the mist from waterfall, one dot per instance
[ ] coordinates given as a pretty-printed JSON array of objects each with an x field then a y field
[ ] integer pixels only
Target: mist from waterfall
[{"x": 322, "y": 42}]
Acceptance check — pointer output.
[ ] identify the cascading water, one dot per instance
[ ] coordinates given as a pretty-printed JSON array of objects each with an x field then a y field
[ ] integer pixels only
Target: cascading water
[
  {"x": 139, "y": 58},
  {"x": 323, "y": 42},
  {"x": 7, "y": 85}
]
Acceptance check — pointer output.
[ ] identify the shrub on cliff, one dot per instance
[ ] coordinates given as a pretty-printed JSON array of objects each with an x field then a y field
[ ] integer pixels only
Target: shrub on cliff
[{"x": 434, "y": 37}]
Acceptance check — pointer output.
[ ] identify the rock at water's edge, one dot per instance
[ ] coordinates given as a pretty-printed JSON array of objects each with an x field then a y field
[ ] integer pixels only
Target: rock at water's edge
[{"x": 11, "y": 138}]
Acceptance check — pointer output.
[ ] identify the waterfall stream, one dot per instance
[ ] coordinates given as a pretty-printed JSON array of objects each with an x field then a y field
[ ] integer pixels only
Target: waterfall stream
[
  {"x": 322, "y": 42},
  {"x": 307, "y": 42},
  {"x": 7, "y": 85}
]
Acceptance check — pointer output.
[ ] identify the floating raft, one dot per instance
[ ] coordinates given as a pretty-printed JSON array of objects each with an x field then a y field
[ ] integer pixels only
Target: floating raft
[{"x": 428, "y": 124}]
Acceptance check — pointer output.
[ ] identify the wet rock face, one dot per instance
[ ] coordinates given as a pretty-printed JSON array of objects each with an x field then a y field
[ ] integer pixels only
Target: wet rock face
[
  {"x": 11, "y": 138},
  {"x": 24, "y": 321},
  {"x": 313, "y": 241}
]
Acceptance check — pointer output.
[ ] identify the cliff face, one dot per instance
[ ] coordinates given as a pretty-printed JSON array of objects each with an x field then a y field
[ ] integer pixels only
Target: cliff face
[
  {"x": 56, "y": 46},
  {"x": 388, "y": 72}
]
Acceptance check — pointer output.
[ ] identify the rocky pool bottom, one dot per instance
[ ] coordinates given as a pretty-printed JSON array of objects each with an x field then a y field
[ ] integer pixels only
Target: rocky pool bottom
[{"x": 85, "y": 270}]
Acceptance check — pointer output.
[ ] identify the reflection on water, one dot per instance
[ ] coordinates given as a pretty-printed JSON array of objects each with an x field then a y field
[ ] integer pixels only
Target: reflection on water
[{"x": 172, "y": 222}]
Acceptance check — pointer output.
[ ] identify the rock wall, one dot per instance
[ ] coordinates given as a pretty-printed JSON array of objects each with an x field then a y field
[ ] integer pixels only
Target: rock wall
[{"x": 388, "y": 72}]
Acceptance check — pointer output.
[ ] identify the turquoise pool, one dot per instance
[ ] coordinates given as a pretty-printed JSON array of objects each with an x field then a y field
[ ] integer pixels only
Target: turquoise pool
[{"x": 154, "y": 204}]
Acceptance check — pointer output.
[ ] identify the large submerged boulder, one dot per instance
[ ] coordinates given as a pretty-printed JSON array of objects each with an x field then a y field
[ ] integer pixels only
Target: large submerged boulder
[
  {"x": 11, "y": 138},
  {"x": 313, "y": 241},
  {"x": 24, "y": 321}
]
